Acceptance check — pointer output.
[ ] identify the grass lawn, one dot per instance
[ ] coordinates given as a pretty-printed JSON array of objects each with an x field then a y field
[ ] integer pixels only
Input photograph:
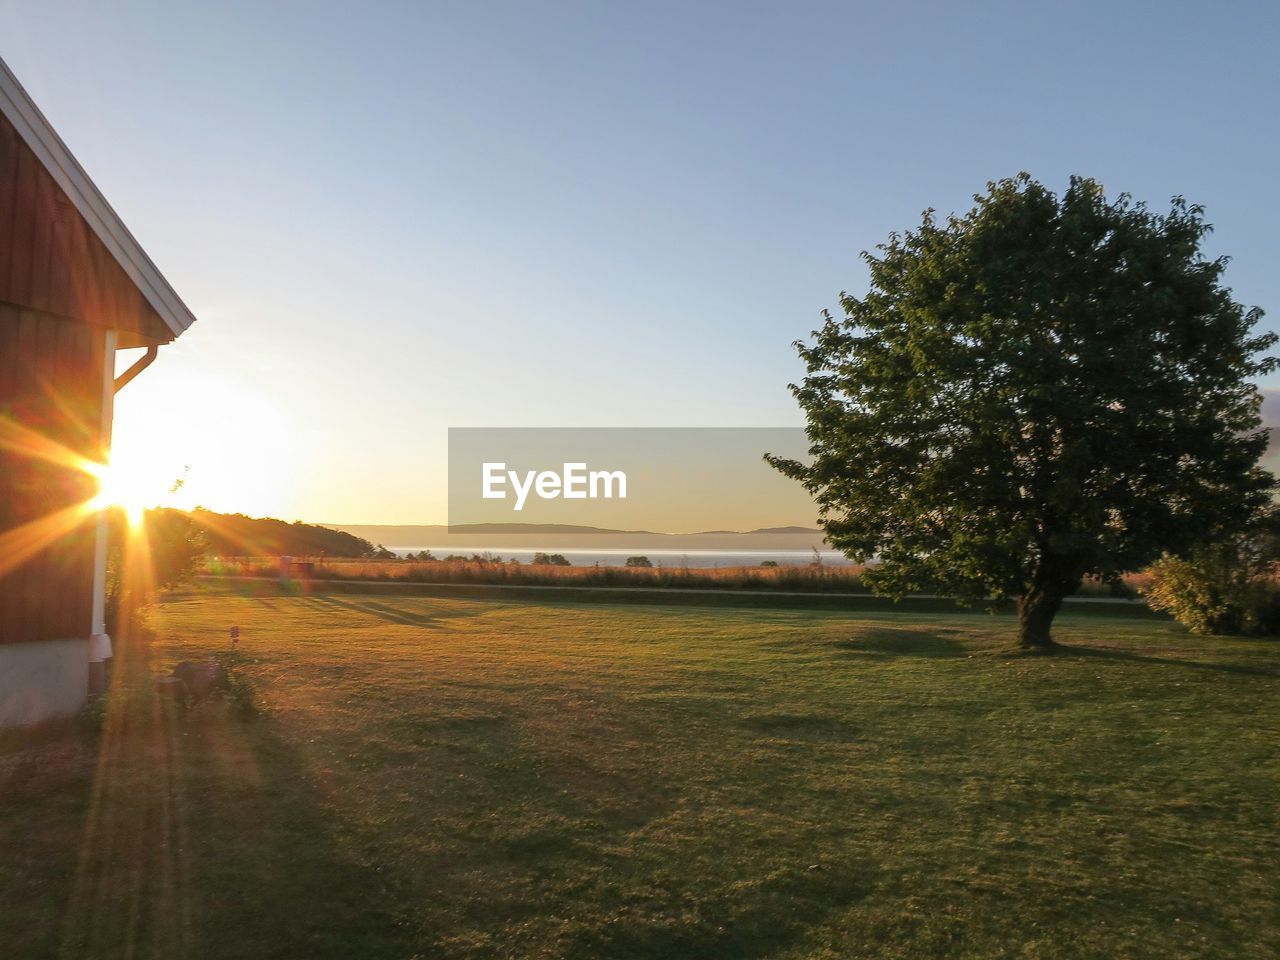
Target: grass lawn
[{"x": 454, "y": 777}]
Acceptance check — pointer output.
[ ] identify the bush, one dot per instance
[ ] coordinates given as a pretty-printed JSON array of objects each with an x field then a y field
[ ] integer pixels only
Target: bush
[
  {"x": 1224, "y": 588},
  {"x": 163, "y": 552}
]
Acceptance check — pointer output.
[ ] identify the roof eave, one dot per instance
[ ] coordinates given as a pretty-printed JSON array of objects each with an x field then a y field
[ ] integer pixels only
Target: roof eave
[{"x": 66, "y": 171}]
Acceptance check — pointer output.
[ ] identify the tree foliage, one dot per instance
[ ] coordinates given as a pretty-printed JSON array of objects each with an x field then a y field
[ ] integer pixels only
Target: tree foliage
[
  {"x": 236, "y": 535},
  {"x": 1225, "y": 587},
  {"x": 550, "y": 560},
  {"x": 162, "y": 552},
  {"x": 1043, "y": 389}
]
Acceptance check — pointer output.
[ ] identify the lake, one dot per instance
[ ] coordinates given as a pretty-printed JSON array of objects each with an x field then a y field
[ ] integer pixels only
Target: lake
[{"x": 605, "y": 557}]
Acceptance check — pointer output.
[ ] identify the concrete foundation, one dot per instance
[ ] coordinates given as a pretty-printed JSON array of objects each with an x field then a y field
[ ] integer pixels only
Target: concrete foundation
[{"x": 42, "y": 681}]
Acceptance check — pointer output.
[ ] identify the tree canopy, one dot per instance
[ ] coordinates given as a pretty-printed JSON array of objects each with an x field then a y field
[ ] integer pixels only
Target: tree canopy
[
  {"x": 235, "y": 535},
  {"x": 1044, "y": 389}
]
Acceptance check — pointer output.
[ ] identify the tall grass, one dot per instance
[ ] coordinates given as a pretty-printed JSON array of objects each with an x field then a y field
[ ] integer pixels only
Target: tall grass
[
  {"x": 808, "y": 579},
  {"x": 812, "y": 578}
]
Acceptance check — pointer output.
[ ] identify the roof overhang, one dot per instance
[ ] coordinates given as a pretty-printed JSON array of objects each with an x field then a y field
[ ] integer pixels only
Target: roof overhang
[{"x": 66, "y": 171}]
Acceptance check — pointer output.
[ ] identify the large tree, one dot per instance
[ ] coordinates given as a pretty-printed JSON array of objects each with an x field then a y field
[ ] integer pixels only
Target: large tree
[{"x": 1042, "y": 390}]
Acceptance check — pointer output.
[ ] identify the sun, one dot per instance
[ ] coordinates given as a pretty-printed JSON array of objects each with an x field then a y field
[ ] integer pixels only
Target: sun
[
  {"x": 134, "y": 487},
  {"x": 117, "y": 489}
]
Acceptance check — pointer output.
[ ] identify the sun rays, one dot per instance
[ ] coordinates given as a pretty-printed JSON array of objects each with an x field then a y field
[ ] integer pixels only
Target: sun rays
[
  {"x": 120, "y": 488},
  {"x": 110, "y": 489}
]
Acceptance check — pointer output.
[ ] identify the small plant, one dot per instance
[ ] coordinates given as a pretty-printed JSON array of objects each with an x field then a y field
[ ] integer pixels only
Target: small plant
[
  {"x": 239, "y": 694},
  {"x": 93, "y": 716},
  {"x": 235, "y": 688},
  {"x": 126, "y": 705}
]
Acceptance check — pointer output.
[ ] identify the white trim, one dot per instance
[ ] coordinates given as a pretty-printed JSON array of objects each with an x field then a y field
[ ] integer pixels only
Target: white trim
[
  {"x": 48, "y": 147},
  {"x": 99, "y": 642}
]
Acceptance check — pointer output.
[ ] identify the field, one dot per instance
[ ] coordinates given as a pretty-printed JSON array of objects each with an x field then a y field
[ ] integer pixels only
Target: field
[{"x": 453, "y": 777}]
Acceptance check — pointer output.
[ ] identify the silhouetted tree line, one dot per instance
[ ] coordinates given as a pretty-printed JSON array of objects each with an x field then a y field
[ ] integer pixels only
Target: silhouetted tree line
[{"x": 235, "y": 535}]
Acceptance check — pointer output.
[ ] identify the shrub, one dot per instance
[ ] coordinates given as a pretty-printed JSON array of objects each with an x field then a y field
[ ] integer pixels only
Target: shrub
[
  {"x": 1227, "y": 587},
  {"x": 163, "y": 552}
]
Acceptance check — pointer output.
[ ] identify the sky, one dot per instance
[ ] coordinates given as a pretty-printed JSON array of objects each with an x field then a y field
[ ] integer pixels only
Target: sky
[{"x": 392, "y": 219}]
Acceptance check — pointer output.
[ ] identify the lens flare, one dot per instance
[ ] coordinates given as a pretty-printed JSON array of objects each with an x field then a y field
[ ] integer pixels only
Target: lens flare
[{"x": 131, "y": 492}]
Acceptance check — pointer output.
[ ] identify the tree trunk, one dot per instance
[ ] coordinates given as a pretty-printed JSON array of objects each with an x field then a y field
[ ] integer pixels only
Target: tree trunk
[{"x": 1036, "y": 610}]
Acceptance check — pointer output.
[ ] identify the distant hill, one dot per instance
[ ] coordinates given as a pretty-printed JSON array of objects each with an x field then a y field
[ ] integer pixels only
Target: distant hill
[
  {"x": 530, "y": 528},
  {"x": 766, "y": 530},
  {"x": 235, "y": 535},
  {"x": 537, "y": 536}
]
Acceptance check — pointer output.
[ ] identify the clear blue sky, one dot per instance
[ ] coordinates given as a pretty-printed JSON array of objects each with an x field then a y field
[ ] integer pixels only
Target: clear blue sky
[{"x": 395, "y": 218}]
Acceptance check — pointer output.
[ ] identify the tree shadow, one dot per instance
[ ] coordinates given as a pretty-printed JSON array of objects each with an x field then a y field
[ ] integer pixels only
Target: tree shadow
[
  {"x": 900, "y": 642},
  {"x": 392, "y": 614},
  {"x": 1129, "y": 656}
]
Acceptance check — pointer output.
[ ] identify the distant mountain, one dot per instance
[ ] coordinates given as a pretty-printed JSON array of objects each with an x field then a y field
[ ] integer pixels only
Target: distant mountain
[
  {"x": 532, "y": 528},
  {"x": 747, "y": 533},
  {"x": 233, "y": 534}
]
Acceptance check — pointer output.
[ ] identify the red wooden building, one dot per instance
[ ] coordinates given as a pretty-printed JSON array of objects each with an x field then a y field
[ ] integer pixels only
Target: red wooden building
[{"x": 75, "y": 287}]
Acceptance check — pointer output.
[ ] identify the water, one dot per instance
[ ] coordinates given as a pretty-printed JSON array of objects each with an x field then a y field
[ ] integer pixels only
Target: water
[{"x": 693, "y": 559}]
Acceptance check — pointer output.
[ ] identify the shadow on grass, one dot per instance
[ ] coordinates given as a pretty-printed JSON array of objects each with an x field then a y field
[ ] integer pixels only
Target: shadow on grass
[
  {"x": 205, "y": 835},
  {"x": 775, "y": 915},
  {"x": 1103, "y": 653},
  {"x": 393, "y": 614},
  {"x": 900, "y": 642},
  {"x": 278, "y": 868}
]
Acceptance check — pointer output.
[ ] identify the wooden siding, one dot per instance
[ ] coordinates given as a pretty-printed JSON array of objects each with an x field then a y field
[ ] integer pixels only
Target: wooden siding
[
  {"x": 52, "y": 261},
  {"x": 51, "y": 373}
]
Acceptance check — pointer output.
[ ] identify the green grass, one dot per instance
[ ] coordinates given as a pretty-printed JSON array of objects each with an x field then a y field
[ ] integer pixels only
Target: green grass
[{"x": 453, "y": 777}]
